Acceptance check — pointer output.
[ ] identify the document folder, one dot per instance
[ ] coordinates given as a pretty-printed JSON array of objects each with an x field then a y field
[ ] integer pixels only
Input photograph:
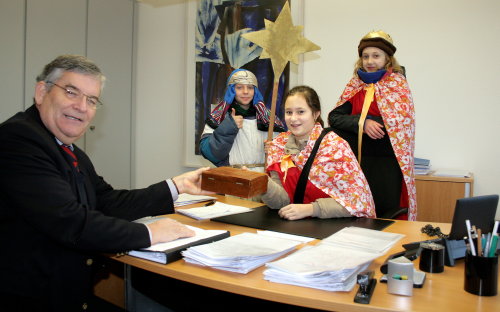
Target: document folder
[{"x": 173, "y": 254}]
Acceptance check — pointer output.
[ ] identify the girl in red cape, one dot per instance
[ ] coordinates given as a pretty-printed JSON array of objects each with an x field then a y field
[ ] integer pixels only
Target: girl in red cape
[
  {"x": 336, "y": 186},
  {"x": 375, "y": 114}
]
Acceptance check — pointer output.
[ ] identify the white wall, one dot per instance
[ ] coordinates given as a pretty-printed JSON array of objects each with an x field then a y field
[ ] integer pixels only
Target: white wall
[
  {"x": 160, "y": 92},
  {"x": 449, "y": 48}
]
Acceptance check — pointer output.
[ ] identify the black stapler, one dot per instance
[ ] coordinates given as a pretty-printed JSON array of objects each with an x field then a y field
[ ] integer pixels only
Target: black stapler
[{"x": 366, "y": 286}]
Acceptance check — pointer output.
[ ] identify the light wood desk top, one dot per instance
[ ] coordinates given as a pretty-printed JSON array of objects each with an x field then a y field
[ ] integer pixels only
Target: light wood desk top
[{"x": 441, "y": 291}]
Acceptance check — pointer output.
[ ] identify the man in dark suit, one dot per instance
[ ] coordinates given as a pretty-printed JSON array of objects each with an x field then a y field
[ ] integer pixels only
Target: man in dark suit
[{"x": 56, "y": 213}]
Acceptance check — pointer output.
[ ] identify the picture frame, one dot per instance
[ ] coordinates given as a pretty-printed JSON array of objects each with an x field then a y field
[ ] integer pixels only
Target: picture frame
[{"x": 295, "y": 78}]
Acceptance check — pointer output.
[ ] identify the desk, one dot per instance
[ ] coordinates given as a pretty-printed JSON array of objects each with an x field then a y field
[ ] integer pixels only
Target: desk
[{"x": 441, "y": 292}]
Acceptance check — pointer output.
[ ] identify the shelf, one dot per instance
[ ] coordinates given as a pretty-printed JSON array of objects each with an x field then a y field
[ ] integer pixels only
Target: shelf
[{"x": 437, "y": 196}]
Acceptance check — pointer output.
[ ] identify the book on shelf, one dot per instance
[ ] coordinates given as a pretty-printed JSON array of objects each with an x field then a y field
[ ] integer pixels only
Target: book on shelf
[
  {"x": 420, "y": 171},
  {"x": 422, "y": 162},
  {"x": 422, "y": 166}
]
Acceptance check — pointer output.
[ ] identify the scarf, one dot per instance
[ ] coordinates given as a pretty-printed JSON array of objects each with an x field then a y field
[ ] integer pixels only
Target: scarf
[{"x": 259, "y": 110}]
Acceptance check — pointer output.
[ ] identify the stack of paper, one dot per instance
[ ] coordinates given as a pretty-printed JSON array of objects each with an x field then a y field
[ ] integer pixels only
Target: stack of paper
[
  {"x": 422, "y": 166},
  {"x": 240, "y": 253},
  {"x": 218, "y": 209},
  {"x": 373, "y": 241},
  {"x": 334, "y": 263},
  {"x": 188, "y": 199}
]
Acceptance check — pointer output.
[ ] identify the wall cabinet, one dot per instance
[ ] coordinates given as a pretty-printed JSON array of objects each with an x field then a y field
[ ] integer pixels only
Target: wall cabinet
[{"x": 437, "y": 196}]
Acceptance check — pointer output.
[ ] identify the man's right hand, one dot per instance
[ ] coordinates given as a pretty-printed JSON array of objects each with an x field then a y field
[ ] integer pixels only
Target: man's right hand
[
  {"x": 190, "y": 182},
  {"x": 166, "y": 230}
]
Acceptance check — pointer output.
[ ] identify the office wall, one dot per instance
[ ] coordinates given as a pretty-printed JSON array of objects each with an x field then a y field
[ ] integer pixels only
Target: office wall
[
  {"x": 33, "y": 32},
  {"x": 449, "y": 48},
  {"x": 160, "y": 92}
]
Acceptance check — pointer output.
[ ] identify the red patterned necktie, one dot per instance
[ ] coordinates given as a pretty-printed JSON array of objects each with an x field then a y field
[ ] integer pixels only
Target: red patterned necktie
[{"x": 72, "y": 155}]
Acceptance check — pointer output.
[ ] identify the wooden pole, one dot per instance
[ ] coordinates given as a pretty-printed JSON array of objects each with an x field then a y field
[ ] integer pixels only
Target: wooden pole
[
  {"x": 272, "y": 117},
  {"x": 273, "y": 110}
]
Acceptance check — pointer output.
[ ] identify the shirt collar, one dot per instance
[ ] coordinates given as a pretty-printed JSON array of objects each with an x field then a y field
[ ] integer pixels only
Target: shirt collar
[{"x": 61, "y": 143}]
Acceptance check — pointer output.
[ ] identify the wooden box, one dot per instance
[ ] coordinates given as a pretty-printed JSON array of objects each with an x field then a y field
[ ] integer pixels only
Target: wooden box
[{"x": 233, "y": 181}]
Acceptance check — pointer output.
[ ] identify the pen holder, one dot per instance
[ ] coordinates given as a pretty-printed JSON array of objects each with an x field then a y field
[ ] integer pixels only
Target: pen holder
[
  {"x": 431, "y": 258},
  {"x": 481, "y": 275},
  {"x": 400, "y": 277}
]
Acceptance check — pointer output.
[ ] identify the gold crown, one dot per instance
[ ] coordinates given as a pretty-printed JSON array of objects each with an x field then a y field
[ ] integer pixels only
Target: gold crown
[{"x": 378, "y": 34}]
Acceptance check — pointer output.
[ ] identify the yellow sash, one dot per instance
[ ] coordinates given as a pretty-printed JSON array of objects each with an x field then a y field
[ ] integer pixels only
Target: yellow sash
[{"x": 370, "y": 91}]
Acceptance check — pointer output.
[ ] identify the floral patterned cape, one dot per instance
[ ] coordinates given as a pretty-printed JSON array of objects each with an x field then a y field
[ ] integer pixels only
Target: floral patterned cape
[
  {"x": 395, "y": 103},
  {"x": 335, "y": 170}
]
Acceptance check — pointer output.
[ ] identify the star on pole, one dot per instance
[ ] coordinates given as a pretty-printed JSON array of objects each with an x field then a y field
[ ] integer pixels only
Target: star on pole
[{"x": 281, "y": 41}]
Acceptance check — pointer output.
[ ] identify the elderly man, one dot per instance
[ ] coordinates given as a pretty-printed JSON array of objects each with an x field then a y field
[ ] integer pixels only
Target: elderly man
[{"x": 56, "y": 212}]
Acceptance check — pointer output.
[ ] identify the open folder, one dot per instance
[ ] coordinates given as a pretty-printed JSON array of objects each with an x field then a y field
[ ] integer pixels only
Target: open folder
[{"x": 171, "y": 251}]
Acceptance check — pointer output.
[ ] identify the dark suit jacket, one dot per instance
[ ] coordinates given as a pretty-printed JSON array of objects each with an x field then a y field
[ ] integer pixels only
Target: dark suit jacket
[{"x": 48, "y": 238}]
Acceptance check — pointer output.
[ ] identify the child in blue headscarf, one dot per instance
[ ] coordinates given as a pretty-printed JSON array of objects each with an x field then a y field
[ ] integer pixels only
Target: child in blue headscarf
[{"x": 236, "y": 129}]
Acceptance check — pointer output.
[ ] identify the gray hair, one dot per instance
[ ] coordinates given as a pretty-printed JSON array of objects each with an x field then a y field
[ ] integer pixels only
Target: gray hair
[{"x": 70, "y": 63}]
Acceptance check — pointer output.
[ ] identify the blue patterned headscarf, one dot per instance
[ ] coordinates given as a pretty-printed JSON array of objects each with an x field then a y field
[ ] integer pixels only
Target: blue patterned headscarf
[
  {"x": 263, "y": 114},
  {"x": 242, "y": 76}
]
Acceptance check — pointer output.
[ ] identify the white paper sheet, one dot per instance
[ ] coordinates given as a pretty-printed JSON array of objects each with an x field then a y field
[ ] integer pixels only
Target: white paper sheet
[{"x": 218, "y": 209}]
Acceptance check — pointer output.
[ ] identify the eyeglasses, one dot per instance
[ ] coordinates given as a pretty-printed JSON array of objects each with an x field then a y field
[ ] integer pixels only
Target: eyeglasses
[{"x": 74, "y": 93}]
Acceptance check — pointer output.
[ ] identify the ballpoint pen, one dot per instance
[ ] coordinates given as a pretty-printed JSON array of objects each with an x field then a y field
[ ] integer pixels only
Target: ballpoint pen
[
  {"x": 469, "y": 234},
  {"x": 495, "y": 227},
  {"x": 210, "y": 203}
]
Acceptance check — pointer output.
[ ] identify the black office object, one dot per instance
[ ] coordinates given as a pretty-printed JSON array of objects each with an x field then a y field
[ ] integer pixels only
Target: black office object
[
  {"x": 367, "y": 285},
  {"x": 480, "y": 210},
  {"x": 416, "y": 245},
  {"x": 481, "y": 275},
  {"x": 431, "y": 258},
  {"x": 268, "y": 219},
  {"x": 410, "y": 254}
]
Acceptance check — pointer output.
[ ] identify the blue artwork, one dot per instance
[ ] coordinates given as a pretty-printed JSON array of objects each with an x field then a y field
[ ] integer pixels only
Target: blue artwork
[{"x": 220, "y": 49}]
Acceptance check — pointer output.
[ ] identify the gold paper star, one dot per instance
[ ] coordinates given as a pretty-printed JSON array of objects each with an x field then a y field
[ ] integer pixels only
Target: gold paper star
[{"x": 281, "y": 41}]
